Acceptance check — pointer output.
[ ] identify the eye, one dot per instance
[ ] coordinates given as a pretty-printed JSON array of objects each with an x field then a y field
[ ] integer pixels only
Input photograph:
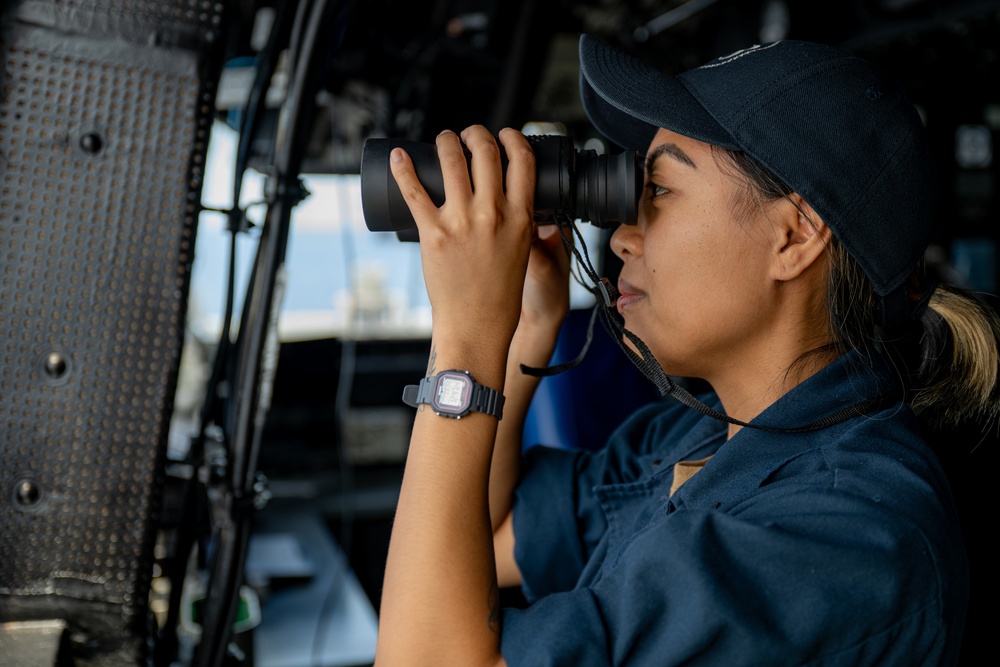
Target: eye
[{"x": 655, "y": 190}]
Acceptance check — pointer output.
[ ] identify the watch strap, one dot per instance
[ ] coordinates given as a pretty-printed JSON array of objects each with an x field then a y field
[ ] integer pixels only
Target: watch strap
[{"x": 486, "y": 400}]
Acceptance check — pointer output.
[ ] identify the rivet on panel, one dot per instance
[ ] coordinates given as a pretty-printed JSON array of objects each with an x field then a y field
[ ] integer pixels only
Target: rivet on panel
[
  {"x": 27, "y": 493},
  {"x": 91, "y": 142},
  {"x": 56, "y": 365}
]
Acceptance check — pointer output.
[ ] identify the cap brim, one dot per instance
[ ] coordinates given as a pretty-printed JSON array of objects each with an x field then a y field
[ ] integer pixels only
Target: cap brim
[{"x": 628, "y": 100}]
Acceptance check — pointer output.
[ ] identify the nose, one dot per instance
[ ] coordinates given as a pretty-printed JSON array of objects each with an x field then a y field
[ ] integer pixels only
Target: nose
[{"x": 627, "y": 241}]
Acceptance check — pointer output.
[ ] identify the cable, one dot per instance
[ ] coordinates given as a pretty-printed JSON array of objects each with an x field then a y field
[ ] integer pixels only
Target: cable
[
  {"x": 257, "y": 338},
  {"x": 252, "y": 110},
  {"x": 231, "y": 537},
  {"x": 192, "y": 500}
]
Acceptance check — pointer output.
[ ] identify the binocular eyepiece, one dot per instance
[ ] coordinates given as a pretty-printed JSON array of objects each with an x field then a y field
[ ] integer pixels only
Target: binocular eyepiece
[{"x": 570, "y": 184}]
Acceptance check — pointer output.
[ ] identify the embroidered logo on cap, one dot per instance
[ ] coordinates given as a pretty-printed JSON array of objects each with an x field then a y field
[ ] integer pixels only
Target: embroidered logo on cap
[{"x": 736, "y": 55}]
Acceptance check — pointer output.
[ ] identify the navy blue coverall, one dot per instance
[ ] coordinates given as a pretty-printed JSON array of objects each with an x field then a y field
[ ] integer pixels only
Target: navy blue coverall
[{"x": 839, "y": 546}]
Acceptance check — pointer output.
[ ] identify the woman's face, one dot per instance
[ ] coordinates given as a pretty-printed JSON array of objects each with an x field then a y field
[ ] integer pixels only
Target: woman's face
[{"x": 695, "y": 282}]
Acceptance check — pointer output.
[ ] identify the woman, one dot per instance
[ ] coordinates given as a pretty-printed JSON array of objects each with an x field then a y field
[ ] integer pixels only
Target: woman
[{"x": 793, "y": 516}]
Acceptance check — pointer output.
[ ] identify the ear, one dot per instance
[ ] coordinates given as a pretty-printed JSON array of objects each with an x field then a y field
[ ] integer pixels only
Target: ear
[{"x": 801, "y": 236}]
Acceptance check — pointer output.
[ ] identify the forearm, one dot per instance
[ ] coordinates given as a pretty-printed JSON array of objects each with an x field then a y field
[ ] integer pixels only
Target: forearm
[
  {"x": 440, "y": 594},
  {"x": 532, "y": 346},
  {"x": 439, "y": 600}
]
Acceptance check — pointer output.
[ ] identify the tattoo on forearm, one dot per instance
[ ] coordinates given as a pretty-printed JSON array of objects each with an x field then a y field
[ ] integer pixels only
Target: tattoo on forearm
[{"x": 433, "y": 361}]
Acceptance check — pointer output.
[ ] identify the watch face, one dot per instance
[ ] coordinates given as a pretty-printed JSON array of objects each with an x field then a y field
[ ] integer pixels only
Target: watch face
[{"x": 452, "y": 394}]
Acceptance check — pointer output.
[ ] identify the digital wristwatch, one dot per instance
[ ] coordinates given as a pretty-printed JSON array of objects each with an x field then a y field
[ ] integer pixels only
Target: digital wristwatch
[{"x": 454, "y": 394}]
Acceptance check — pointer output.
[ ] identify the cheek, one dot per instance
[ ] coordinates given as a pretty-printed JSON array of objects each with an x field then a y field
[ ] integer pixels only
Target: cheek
[
  {"x": 693, "y": 256},
  {"x": 704, "y": 279}
]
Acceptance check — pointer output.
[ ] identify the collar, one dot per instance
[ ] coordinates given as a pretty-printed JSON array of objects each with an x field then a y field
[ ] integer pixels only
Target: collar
[{"x": 743, "y": 463}]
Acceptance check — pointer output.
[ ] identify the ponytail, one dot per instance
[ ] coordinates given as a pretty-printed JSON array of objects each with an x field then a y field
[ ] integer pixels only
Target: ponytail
[
  {"x": 948, "y": 359},
  {"x": 958, "y": 365}
]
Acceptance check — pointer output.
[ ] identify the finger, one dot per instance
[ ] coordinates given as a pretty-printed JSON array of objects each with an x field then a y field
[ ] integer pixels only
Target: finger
[
  {"x": 487, "y": 173},
  {"x": 559, "y": 247},
  {"x": 454, "y": 168},
  {"x": 557, "y": 241},
  {"x": 520, "y": 169},
  {"x": 414, "y": 194},
  {"x": 548, "y": 231}
]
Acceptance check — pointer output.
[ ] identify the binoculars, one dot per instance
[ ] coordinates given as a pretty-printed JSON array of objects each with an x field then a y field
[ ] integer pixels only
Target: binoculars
[{"x": 570, "y": 184}]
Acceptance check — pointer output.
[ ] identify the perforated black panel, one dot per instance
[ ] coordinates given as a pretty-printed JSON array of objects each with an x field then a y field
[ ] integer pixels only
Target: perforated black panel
[
  {"x": 101, "y": 148},
  {"x": 189, "y": 24}
]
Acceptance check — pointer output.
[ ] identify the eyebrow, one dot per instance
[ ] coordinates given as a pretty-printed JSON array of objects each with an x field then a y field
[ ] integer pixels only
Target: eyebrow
[{"x": 673, "y": 150}]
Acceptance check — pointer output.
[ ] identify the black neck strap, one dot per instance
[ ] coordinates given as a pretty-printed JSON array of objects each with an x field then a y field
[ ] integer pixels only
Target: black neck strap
[
  {"x": 652, "y": 369},
  {"x": 607, "y": 294}
]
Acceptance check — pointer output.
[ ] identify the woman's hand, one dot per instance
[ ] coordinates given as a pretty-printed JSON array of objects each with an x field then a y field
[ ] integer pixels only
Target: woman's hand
[
  {"x": 475, "y": 247},
  {"x": 545, "y": 302}
]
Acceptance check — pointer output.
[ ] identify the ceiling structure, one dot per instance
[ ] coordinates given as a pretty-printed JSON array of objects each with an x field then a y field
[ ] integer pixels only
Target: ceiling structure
[{"x": 410, "y": 68}]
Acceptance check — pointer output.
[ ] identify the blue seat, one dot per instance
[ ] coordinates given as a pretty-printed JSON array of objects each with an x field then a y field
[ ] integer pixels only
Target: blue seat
[{"x": 580, "y": 407}]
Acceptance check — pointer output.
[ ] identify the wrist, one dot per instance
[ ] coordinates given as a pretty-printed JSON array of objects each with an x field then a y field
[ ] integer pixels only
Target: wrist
[
  {"x": 455, "y": 393},
  {"x": 486, "y": 360},
  {"x": 534, "y": 343},
  {"x": 549, "y": 321}
]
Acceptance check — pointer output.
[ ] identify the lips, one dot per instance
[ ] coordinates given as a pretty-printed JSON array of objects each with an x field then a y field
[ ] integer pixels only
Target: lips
[{"x": 628, "y": 295}]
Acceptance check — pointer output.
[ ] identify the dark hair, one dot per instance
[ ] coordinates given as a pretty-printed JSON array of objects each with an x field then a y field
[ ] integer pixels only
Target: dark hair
[{"x": 948, "y": 359}]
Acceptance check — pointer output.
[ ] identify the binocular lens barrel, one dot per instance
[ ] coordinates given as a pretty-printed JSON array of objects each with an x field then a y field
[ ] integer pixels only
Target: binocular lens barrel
[{"x": 570, "y": 184}]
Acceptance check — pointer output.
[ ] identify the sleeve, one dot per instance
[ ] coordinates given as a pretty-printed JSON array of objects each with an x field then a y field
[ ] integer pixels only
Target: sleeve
[
  {"x": 558, "y": 520},
  {"x": 798, "y": 579}
]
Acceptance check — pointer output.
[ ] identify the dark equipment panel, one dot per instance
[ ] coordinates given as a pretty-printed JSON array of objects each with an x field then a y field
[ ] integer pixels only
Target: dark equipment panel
[{"x": 103, "y": 133}]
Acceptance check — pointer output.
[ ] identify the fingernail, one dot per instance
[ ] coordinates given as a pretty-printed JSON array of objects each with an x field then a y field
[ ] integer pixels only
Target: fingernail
[{"x": 396, "y": 155}]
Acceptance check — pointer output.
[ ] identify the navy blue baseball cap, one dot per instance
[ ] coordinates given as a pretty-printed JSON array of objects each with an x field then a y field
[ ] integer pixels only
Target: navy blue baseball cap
[{"x": 831, "y": 125}]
